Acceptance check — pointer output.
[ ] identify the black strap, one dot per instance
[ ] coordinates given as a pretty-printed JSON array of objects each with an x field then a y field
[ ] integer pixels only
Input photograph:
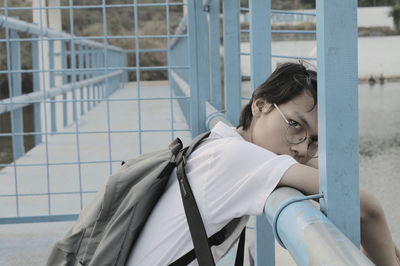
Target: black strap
[
  {"x": 196, "y": 226},
  {"x": 240, "y": 250},
  {"x": 217, "y": 239}
]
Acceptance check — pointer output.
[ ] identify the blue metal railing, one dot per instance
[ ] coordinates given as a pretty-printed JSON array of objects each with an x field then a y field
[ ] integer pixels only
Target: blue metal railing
[
  {"x": 71, "y": 75},
  {"x": 100, "y": 84}
]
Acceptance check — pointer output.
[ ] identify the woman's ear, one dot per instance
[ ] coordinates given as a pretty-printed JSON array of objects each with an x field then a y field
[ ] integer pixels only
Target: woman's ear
[{"x": 259, "y": 106}]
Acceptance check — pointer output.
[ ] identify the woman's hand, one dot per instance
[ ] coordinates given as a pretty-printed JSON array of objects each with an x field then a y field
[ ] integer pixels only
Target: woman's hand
[{"x": 313, "y": 162}]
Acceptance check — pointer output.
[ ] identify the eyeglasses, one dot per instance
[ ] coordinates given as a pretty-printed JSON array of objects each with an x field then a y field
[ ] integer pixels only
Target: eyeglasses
[{"x": 296, "y": 134}]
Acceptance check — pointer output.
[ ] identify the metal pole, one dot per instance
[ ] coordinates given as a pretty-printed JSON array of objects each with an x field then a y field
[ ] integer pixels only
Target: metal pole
[
  {"x": 199, "y": 65},
  {"x": 53, "y": 113},
  {"x": 81, "y": 76},
  {"x": 16, "y": 115},
  {"x": 260, "y": 69},
  {"x": 36, "y": 88},
  {"x": 338, "y": 114},
  {"x": 64, "y": 81},
  {"x": 232, "y": 74},
  {"x": 309, "y": 236},
  {"x": 215, "y": 68}
]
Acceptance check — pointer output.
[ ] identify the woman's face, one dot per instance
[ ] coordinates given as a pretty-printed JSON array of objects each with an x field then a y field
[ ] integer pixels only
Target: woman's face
[{"x": 268, "y": 130}]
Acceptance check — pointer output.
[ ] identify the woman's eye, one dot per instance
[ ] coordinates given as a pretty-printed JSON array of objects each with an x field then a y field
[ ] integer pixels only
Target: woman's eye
[{"x": 294, "y": 124}]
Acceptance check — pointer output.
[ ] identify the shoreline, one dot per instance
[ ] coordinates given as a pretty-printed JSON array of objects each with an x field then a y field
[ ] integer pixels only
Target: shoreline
[{"x": 394, "y": 78}]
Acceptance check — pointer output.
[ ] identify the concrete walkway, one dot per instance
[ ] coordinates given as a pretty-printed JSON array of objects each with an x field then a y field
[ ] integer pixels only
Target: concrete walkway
[{"x": 94, "y": 152}]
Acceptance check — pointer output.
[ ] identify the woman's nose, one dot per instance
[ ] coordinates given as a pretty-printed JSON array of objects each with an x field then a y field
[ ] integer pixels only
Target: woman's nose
[{"x": 300, "y": 149}]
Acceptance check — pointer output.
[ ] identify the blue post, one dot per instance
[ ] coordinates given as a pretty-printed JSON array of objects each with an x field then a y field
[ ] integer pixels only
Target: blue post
[
  {"x": 199, "y": 65},
  {"x": 101, "y": 72},
  {"x": 89, "y": 74},
  {"x": 260, "y": 65},
  {"x": 73, "y": 81},
  {"x": 214, "y": 54},
  {"x": 36, "y": 87},
  {"x": 53, "y": 114},
  {"x": 260, "y": 41},
  {"x": 124, "y": 76},
  {"x": 16, "y": 115},
  {"x": 64, "y": 80},
  {"x": 81, "y": 76},
  {"x": 232, "y": 74},
  {"x": 101, "y": 86},
  {"x": 95, "y": 73},
  {"x": 338, "y": 114}
]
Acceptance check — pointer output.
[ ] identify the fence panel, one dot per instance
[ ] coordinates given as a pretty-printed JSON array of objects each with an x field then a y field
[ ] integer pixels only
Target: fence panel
[{"x": 99, "y": 92}]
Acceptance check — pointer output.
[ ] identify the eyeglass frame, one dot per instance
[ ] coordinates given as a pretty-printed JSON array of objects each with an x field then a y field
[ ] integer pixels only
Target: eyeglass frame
[{"x": 306, "y": 137}]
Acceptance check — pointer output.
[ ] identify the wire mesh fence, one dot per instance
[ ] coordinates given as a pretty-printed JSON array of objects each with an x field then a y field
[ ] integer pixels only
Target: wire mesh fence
[{"x": 84, "y": 85}]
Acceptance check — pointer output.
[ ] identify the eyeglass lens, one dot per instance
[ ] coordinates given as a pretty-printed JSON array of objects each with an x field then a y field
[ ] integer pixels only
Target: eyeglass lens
[{"x": 296, "y": 134}]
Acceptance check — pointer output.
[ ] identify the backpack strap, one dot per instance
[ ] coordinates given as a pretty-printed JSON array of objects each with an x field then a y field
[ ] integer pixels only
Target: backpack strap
[
  {"x": 196, "y": 225},
  {"x": 217, "y": 239},
  {"x": 239, "y": 261}
]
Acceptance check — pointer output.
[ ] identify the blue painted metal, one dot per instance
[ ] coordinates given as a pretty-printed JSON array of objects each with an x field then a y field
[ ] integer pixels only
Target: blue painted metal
[
  {"x": 106, "y": 63},
  {"x": 260, "y": 41},
  {"x": 294, "y": 31},
  {"x": 193, "y": 65},
  {"x": 25, "y": 99},
  {"x": 294, "y": 57},
  {"x": 88, "y": 65},
  {"x": 171, "y": 102},
  {"x": 265, "y": 242},
  {"x": 64, "y": 81},
  {"x": 338, "y": 114},
  {"x": 275, "y": 11},
  {"x": 260, "y": 69},
  {"x": 106, "y": 67},
  {"x": 15, "y": 85},
  {"x": 310, "y": 237},
  {"x": 36, "y": 106},
  {"x": 215, "y": 65},
  {"x": 49, "y": 94},
  {"x": 199, "y": 65},
  {"x": 39, "y": 219},
  {"x": 52, "y": 81},
  {"x": 97, "y": 6},
  {"x": 73, "y": 81},
  {"x": 180, "y": 77},
  {"x": 74, "y": 102},
  {"x": 81, "y": 75},
  {"x": 232, "y": 75},
  {"x": 137, "y": 62}
]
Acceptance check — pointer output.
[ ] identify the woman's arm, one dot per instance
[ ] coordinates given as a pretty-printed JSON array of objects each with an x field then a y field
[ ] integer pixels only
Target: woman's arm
[
  {"x": 301, "y": 177},
  {"x": 375, "y": 235}
]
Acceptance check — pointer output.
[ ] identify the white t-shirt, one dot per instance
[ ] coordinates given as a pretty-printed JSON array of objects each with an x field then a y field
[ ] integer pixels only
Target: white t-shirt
[{"x": 229, "y": 176}]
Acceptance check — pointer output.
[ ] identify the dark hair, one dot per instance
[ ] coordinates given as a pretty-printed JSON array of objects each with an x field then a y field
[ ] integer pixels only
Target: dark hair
[{"x": 287, "y": 82}]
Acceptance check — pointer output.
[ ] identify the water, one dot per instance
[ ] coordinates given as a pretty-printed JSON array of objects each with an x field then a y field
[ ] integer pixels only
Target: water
[
  {"x": 380, "y": 147},
  {"x": 376, "y": 55}
]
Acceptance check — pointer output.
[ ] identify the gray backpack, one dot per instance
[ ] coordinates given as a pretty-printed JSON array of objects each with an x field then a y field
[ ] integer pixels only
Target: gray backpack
[{"x": 108, "y": 227}]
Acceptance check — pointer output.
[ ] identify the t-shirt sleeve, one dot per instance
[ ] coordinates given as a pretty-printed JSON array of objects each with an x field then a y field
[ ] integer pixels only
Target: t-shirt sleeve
[{"x": 240, "y": 179}]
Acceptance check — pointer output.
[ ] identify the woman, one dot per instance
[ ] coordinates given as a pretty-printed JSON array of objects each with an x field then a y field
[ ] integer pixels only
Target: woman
[
  {"x": 232, "y": 175},
  {"x": 285, "y": 105}
]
